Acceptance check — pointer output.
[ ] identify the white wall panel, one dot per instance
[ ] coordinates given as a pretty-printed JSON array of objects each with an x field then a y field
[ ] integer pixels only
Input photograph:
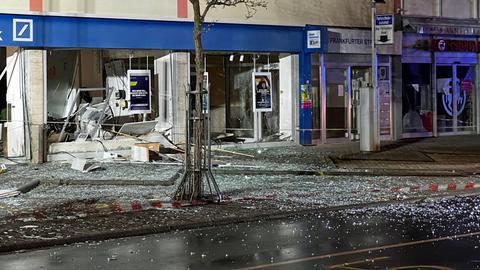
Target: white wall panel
[
  {"x": 419, "y": 8},
  {"x": 457, "y": 9}
]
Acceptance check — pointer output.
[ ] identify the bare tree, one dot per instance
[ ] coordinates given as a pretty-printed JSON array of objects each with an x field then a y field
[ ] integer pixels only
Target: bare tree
[{"x": 191, "y": 186}]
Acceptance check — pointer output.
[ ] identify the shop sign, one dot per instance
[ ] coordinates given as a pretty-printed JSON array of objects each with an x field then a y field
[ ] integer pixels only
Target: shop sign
[
  {"x": 448, "y": 30},
  {"x": 46, "y": 31},
  {"x": 20, "y": 30},
  {"x": 140, "y": 91},
  {"x": 262, "y": 91},
  {"x": 314, "y": 39},
  {"x": 446, "y": 45},
  {"x": 23, "y": 30},
  {"x": 384, "y": 29},
  {"x": 349, "y": 41}
]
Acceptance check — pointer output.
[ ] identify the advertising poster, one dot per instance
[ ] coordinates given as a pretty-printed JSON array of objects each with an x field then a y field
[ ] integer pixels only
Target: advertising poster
[
  {"x": 205, "y": 95},
  {"x": 306, "y": 97},
  {"x": 262, "y": 92},
  {"x": 140, "y": 91}
]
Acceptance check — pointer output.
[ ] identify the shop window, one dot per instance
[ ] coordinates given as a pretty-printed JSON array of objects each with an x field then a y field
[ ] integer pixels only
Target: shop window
[
  {"x": 240, "y": 96},
  {"x": 455, "y": 91},
  {"x": 89, "y": 95},
  {"x": 417, "y": 116}
]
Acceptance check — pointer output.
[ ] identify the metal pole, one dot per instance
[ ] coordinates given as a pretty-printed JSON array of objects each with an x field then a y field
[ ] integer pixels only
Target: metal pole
[
  {"x": 369, "y": 102},
  {"x": 376, "y": 116}
]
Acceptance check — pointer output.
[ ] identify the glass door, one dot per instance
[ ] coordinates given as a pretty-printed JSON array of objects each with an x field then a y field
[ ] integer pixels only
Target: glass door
[
  {"x": 455, "y": 95},
  {"x": 465, "y": 108},
  {"x": 338, "y": 103},
  {"x": 445, "y": 95},
  {"x": 360, "y": 78}
]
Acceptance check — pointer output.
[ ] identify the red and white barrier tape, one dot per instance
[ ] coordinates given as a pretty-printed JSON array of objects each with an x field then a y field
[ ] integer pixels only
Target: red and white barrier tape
[
  {"x": 137, "y": 205},
  {"x": 434, "y": 187}
]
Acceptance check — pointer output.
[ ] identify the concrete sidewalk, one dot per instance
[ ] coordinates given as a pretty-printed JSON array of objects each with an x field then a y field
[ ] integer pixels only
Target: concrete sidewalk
[{"x": 455, "y": 155}]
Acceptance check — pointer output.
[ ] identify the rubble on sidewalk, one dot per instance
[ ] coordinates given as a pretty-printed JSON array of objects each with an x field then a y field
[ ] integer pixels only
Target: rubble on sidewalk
[
  {"x": 83, "y": 165},
  {"x": 9, "y": 193}
]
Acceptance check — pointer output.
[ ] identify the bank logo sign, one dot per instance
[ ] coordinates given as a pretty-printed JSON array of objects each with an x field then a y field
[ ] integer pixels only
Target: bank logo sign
[
  {"x": 445, "y": 87},
  {"x": 23, "y": 30}
]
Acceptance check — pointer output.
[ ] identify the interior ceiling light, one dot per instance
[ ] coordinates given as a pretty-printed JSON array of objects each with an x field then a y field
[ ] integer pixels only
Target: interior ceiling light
[
  {"x": 231, "y": 57},
  {"x": 241, "y": 58}
]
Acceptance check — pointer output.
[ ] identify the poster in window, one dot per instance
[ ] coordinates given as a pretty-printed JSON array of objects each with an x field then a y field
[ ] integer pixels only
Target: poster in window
[
  {"x": 140, "y": 91},
  {"x": 262, "y": 91},
  {"x": 205, "y": 95}
]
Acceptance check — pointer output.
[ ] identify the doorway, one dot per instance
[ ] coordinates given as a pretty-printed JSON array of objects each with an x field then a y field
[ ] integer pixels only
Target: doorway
[
  {"x": 338, "y": 103},
  {"x": 342, "y": 101},
  {"x": 455, "y": 98}
]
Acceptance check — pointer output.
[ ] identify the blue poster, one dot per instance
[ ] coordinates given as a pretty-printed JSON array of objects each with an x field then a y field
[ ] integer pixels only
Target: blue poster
[{"x": 140, "y": 99}]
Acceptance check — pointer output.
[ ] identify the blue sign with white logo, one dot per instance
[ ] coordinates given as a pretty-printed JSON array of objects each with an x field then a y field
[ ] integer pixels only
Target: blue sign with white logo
[
  {"x": 23, "y": 30},
  {"x": 83, "y": 32}
]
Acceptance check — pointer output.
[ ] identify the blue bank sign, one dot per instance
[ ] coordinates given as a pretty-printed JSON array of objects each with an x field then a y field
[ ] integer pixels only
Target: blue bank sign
[
  {"x": 22, "y": 30},
  {"x": 18, "y": 31},
  {"x": 84, "y": 32}
]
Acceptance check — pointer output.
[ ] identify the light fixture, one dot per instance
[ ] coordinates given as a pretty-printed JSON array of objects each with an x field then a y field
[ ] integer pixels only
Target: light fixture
[
  {"x": 232, "y": 57},
  {"x": 241, "y": 58}
]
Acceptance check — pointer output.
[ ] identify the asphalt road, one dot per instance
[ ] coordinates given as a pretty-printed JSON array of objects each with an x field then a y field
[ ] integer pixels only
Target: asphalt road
[{"x": 434, "y": 235}]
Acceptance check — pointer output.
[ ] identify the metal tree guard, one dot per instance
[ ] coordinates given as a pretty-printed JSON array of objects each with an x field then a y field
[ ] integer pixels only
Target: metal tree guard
[{"x": 185, "y": 190}]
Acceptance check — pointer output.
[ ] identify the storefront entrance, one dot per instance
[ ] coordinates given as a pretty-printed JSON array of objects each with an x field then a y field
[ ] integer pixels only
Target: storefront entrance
[
  {"x": 342, "y": 101},
  {"x": 455, "y": 98}
]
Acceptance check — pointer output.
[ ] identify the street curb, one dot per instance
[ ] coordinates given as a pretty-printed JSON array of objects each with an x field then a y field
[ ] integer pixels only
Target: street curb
[
  {"x": 100, "y": 236},
  {"x": 112, "y": 182}
]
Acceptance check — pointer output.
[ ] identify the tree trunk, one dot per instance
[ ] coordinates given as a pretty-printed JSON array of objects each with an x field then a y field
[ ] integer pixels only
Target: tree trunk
[{"x": 198, "y": 113}]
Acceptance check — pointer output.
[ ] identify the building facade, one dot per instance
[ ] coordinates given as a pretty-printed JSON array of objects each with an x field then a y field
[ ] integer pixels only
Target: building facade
[
  {"x": 69, "y": 66},
  {"x": 439, "y": 91}
]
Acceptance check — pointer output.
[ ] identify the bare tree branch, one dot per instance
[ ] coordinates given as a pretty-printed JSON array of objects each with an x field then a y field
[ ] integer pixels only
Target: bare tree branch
[{"x": 250, "y": 5}]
